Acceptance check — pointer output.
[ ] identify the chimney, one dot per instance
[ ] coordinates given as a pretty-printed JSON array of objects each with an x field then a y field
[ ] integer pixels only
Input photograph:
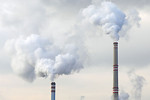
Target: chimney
[
  {"x": 115, "y": 72},
  {"x": 53, "y": 90}
]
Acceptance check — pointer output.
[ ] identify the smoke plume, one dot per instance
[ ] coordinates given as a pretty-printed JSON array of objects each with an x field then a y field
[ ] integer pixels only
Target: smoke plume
[
  {"x": 82, "y": 97},
  {"x": 137, "y": 82},
  {"x": 123, "y": 95},
  {"x": 136, "y": 90},
  {"x": 109, "y": 17},
  {"x": 35, "y": 56}
]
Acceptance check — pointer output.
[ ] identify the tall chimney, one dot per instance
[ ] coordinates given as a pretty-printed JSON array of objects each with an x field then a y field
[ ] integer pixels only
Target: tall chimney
[
  {"x": 53, "y": 90},
  {"x": 115, "y": 72}
]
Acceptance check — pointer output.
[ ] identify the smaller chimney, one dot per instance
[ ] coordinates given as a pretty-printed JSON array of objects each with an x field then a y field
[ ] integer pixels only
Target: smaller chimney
[{"x": 53, "y": 90}]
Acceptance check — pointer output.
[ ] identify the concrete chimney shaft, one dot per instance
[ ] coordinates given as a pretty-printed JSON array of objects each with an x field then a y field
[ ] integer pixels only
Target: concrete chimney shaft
[
  {"x": 115, "y": 72},
  {"x": 53, "y": 90}
]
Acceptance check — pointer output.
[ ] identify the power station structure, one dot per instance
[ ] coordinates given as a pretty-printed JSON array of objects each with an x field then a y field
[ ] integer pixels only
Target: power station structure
[
  {"x": 115, "y": 72},
  {"x": 115, "y": 76},
  {"x": 53, "y": 84}
]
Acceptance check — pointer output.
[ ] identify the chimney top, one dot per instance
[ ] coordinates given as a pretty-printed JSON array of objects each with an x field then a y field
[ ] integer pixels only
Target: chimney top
[
  {"x": 53, "y": 83},
  {"x": 115, "y": 42}
]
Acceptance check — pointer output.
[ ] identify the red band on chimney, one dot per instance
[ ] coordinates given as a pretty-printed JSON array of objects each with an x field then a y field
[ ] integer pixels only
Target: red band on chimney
[
  {"x": 53, "y": 87},
  {"x": 115, "y": 92},
  {"x": 52, "y": 90},
  {"x": 115, "y": 65}
]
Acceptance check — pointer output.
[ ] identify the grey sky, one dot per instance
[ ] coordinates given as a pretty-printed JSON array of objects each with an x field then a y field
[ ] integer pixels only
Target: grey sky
[
  {"x": 133, "y": 3},
  {"x": 60, "y": 21},
  {"x": 44, "y": 17}
]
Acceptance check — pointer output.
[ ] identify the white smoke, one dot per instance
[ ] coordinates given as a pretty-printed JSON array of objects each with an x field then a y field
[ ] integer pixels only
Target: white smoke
[
  {"x": 35, "y": 56},
  {"x": 137, "y": 85},
  {"x": 132, "y": 19},
  {"x": 123, "y": 95},
  {"x": 109, "y": 17},
  {"x": 137, "y": 82},
  {"x": 82, "y": 97}
]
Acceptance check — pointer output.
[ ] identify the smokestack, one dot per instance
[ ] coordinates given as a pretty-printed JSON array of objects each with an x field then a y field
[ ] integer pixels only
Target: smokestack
[
  {"x": 53, "y": 90},
  {"x": 115, "y": 72}
]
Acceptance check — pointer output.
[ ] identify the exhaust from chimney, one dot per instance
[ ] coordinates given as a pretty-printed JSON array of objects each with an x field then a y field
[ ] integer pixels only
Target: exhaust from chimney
[
  {"x": 115, "y": 72},
  {"x": 53, "y": 90}
]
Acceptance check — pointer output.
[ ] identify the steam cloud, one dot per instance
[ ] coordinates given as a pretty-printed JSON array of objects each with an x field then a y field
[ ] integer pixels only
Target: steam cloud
[
  {"x": 82, "y": 97},
  {"x": 110, "y": 18},
  {"x": 124, "y": 95},
  {"x": 137, "y": 85},
  {"x": 137, "y": 82},
  {"x": 35, "y": 56}
]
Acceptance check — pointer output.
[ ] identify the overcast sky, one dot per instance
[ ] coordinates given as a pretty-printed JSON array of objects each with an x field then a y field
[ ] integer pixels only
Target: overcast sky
[{"x": 61, "y": 22}]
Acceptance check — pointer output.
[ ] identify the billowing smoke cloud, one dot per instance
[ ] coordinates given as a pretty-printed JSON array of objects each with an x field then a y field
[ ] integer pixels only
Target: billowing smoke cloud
[
  {"x": 137, "y": 82},
  {"x": 109, "y": 17},
  {"x": 35, "y": 56}
]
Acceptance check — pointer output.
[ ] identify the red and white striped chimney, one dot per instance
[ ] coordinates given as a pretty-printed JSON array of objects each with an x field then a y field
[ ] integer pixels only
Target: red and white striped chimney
[
  {"x": 115, "y": 72},
  {"x": 53, "y": 90}
]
